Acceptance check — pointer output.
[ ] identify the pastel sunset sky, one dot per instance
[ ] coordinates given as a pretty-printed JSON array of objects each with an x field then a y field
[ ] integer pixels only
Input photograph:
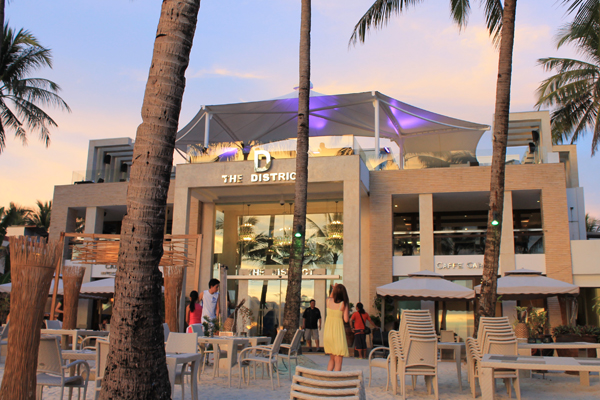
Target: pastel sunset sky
[{"x": 246, "y": 50}]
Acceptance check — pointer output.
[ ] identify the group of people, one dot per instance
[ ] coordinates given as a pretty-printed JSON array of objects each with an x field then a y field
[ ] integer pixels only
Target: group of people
[
  {"x": 334, "y": 336},
  {"x": 206, "y": 304}
]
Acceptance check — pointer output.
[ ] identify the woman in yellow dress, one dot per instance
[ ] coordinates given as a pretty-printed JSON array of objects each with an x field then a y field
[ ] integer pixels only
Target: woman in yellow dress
[{"x": 335, "y": 334}]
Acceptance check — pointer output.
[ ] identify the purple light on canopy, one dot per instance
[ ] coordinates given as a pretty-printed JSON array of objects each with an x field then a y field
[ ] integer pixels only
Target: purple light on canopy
[
  {"x": 314, "y": 122},
  {"x": 228, "y": 152},
  {"x": 408, "y": 121}
]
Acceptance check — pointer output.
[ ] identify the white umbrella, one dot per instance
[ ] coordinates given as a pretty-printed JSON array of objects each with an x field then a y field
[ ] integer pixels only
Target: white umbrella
[
  {"x": 102, "y": 286},
  {"x": 7, "y": 287},
  {"x": 523, "y": 284},
  {"x": 426, "y": 285}
]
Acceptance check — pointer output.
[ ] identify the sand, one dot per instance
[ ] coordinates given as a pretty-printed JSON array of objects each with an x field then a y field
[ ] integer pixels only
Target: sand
[{"x": 555, "y": 386}]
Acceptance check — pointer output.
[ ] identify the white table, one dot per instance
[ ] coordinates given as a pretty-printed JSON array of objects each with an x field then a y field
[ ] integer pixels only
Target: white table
[
  {"x": 88, "y": 355},
  {"x": 74, "y": 333},
  {"x": 491, "y": 362},
  {"x": 173, "y": 360},
  {"x": 228, "y": 343},
  {"x": 457, "y": 348},
  {"x": 582, "y": 347}
]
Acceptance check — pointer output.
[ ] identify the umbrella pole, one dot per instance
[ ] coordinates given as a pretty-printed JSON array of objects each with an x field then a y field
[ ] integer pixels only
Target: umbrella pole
[{"x": 382, "y": 314}]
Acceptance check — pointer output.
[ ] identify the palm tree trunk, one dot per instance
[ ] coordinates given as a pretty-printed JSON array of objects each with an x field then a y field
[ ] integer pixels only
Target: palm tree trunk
[
  {"x": 487, "y": 303},
  {"x": 136, "y": 361},
  {"x": 291, "y": 316}
]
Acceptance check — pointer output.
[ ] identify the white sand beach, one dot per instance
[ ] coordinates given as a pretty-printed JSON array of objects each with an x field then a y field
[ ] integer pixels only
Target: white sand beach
[{"x": 554, "y": 386}]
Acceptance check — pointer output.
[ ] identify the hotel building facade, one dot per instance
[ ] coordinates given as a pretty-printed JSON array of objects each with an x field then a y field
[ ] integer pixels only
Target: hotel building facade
[{"x": 393, "y": 189}]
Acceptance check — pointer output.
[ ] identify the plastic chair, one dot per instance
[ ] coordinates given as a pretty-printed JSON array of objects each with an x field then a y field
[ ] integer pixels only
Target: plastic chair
[
  {"x": 166, "y": 331},
  {"x": 292, "y": 350},
  {"x": 179, "y": 343},
  {"x": 420, "y": 359},
  {"x": 51, "y": 370},
  {"x": 53, "y": 324},
  {"x": 102, "y": 346},
  {"x": 262, "y": 355},
  {"x": 310, "y": 384},
  {"x": 378, "y": 362}
]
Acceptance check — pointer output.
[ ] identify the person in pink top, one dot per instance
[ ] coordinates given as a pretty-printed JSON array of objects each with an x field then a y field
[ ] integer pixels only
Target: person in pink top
[{"x": 193, "y": 312}]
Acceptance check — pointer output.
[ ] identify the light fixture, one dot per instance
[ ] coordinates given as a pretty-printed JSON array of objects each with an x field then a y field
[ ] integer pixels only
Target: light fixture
[
  {"x": 285, "y": 232},
  {"x": 495, "y": 219},
  {"x": 246, "y": 229},
  {"x": 335, "y": 229}
]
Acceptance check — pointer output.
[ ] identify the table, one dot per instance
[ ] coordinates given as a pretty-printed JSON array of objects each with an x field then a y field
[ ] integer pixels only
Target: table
[
  {"x": 457, "y": 347},
  {"x": 173, "y": 360},
  {"x": 584, "y": 376},
  {"x": 88, "y": 355},
  {"x": 259, "y": 340},
  {"x": 74, "y": 333},
  {"x": 230, "y": 344},
  {"x": 492, "y": 361}
]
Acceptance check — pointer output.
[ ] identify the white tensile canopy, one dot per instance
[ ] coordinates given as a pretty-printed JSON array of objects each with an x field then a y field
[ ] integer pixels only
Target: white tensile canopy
[
  {"x": 522, "y": 284},
  {"x": 425, "y": 285},
  {"x": 414, "y": 130},
  {"x": 7, "y": 287}
]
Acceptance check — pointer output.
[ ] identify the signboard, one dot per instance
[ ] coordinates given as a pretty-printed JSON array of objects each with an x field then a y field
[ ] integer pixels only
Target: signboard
[{"x": 259, "y": 175}]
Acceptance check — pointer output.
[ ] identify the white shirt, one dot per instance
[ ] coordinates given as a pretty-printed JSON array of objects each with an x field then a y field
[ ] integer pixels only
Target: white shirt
[{"x": 209, "y": 304}]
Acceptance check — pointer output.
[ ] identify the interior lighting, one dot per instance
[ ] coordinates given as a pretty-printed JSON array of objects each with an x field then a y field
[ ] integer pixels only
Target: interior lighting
[
  {"x": 247, "y": 234},
  {"x": 285, "y": 239},
  {"x": 335, "y": 229}
]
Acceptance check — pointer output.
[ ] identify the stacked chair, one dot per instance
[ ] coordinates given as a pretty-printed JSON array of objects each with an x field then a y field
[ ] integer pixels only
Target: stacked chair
[
  {"x": 414, "y": 350},
  {"x": 495, "y": 336},
  {"x": 310, "y": 384}
]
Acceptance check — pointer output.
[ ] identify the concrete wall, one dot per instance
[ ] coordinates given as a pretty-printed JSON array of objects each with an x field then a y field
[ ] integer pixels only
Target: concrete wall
[{"x": 586, "y": 262}]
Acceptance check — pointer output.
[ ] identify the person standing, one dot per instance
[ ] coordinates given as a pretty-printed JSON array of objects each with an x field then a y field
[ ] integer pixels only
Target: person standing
[
  {"x": 334, "y": 336},
  {"x": 193, "y": 312},
  {"x": 210, "y": 300},
  {"x": 358, "y": 323},
  {"x": 311, "y": 323}
]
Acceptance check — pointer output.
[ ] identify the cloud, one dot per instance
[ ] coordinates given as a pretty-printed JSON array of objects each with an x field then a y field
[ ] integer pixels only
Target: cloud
[{"x": 223, "y": 72}]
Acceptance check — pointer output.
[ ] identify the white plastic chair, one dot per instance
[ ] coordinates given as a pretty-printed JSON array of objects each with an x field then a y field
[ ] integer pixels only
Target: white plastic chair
[
  {"x": 379, "y": 362},
  {"x": 292, "y": 350},
  {"x": 102, "y": 346},
  {"x": 309, "y": 384},
  {"x": 51, "y": 370},
  {"x": 180, "y": 343},
  {"x": 53, "y": 324},
  {"x": 266, "y": 355}
]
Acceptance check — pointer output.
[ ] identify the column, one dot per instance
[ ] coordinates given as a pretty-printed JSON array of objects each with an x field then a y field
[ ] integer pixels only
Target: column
[
  {"x": 352, "y": 226},
  {"x": 94, "y": 220},
  {"x": 208, "y": 233},
  {"x": 426, "y": 228},
  {"x": 94, "y": 223},
  {"x": 507, "y": 245},
  {"x": 320, "y": 297},
  {"x": 181, "y": 212}
]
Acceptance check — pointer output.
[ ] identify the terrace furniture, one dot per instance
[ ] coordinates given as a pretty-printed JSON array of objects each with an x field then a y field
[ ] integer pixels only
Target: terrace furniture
[
  {"x": 51, "y": 370},
  {"x": 292, "y": 350},
  {"x": 4, "y": 335},
  {"x": 75, "y": 334},
  {"x": 166, "y": 331},
  {"x": 496, "y": 336},
  {"x": 265, "y": 355},
  {"x": 53, "y": 324},
  {"x": 309, "y": 384},
  {"x": 457, "y": 348},
  {"x": 182, "y": 343},
  {"x": 101, "y": 355},
  {"x": 194, "y": 359},
  {"x": 490, "y": 363},
  {"x": 225, "y": 350},
  {"x": 584, "y": 376},
  {"x": 379, "y": 362}
]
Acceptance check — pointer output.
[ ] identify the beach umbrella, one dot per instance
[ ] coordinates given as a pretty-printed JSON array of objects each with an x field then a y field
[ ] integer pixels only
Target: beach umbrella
[
  {"x": 425, "y": 285},
  {"x": 524, "y": 284},
  {"x": 99, "y": 287},
  {"x": 7, "y": 287}
]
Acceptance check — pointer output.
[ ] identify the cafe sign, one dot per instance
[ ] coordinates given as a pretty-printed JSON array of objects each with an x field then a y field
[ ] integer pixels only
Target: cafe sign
[
  {"x": 278, "y": 272},
  {"x": 459, "y": 265},
  {"x": 260, "y": 174}
]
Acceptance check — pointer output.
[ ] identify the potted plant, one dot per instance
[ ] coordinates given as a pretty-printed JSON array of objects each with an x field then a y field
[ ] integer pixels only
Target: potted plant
[{"x": 521, "y": 328}]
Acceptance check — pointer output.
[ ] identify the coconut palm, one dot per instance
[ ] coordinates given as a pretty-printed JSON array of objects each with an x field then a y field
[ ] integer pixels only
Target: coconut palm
[
  {"x": 136, "y": 365},
  {"x": 501, "y": 26},
  {"x": 21, "y": 96},
  {"x": 591, "y": 223},
  {"x": 15, "y": 215},
  {"x": 291, "y": 316},
  {"x": 41, "y": 216},
  {"x": 573, "y": 89}
]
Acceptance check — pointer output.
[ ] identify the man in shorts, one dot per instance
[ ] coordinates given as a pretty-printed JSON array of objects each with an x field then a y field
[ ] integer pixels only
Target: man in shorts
[{"x": 311, "y": 323}]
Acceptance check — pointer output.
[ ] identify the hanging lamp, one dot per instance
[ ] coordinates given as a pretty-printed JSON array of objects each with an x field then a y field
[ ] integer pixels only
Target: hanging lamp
[
  {"x": 285, "y": 232},
  {"x": 247, "y": 229},
  {"x": 335, "y": 229}
]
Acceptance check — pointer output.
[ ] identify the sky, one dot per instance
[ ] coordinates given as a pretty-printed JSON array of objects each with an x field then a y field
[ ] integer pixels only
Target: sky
[{"x": 247, "y": 50}]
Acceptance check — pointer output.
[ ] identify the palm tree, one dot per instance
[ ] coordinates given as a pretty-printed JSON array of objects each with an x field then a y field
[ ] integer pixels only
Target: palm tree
[
  {"x": 291, "y": 315},
  {"x": 15, "y": 216},
  {"x": 501, "y": 26},
  {"x": 591, "y": 223},
  {"x": 573, "y": 89},
  {"x": 136, "y": 361},
  {"x": 21, "y": 96},
  {"x": 41, "y": 216}
]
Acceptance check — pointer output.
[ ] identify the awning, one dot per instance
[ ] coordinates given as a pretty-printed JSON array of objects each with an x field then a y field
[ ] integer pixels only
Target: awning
[
  {"x": 425, "y": 285},
  {"x": 99, "y": 287},
  {"x": 7, "y": 287},
  {"x": 522, "y": 284},
  {"x": 414, "y": 130}
]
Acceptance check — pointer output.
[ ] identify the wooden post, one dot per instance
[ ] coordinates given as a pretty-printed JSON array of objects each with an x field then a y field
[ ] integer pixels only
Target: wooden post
[
  {"x": 223, "y": 294},
  {"x": 57, "y": 274}
]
